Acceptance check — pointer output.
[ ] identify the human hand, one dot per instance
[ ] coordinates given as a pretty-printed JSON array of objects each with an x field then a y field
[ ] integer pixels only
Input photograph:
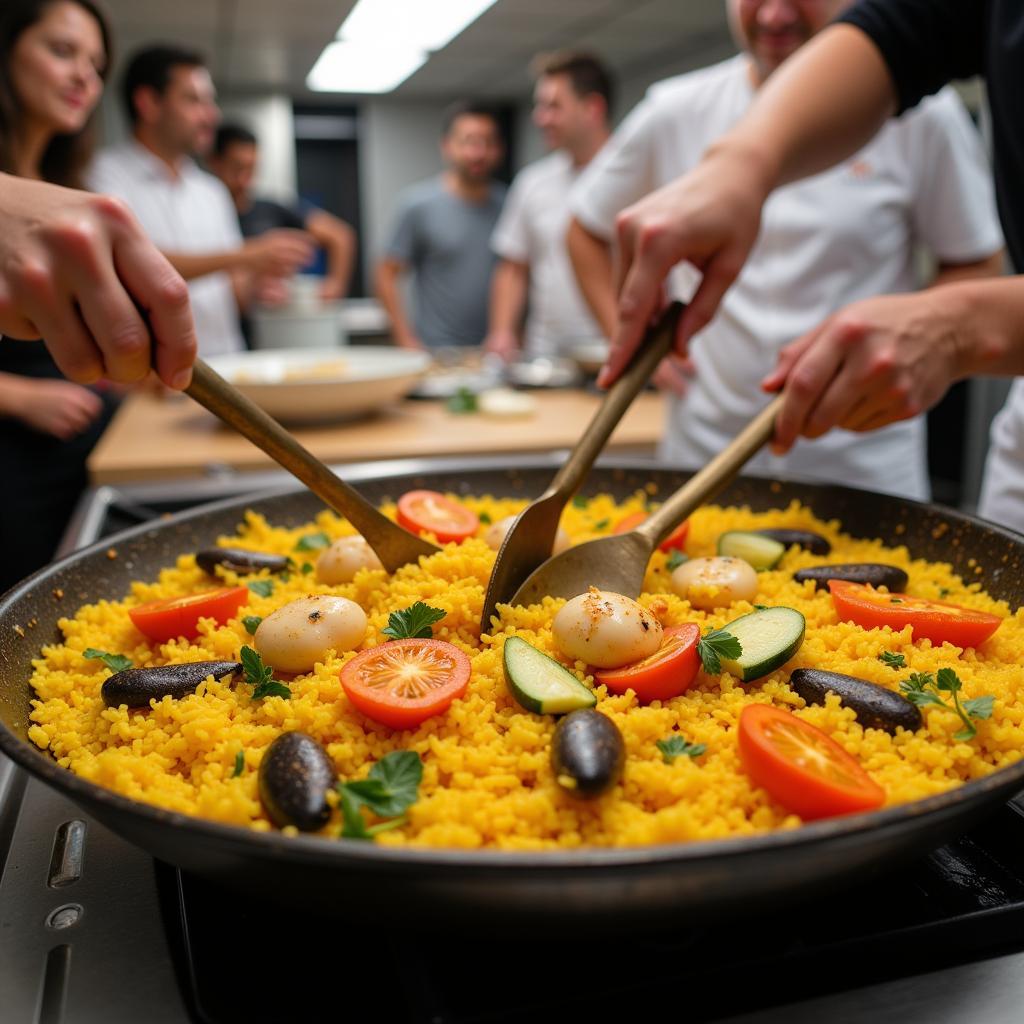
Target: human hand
[
  {"x": 709, "y": 218},
  {"x": 875, "y": 362},
  {"x": 57, "y": 407},
  {"x": 278, "y": 253},
  {"x": 331, "y": 290},
  {"x": 502, "y": 343},
  {"x": 271, "y": 291},
  {"x": 78, "y": 270},
  {"x": 674, "y": 374}
]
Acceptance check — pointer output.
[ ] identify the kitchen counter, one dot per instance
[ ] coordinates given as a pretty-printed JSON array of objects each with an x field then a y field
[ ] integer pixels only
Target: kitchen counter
[{"x": 159, "y": 437}]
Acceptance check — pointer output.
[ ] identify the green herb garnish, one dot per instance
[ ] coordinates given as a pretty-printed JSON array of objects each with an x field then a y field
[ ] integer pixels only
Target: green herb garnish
[
  {"x": 115, "y": 662},
  {"x": 922, "y": 688},
  {"x": 675, "y": 559},
  {"x": 306, "y": 569},
  {"x": 389, "y": 790},
  {"x": 313, "y": 542},
  {"x": 602, "y": 524},
  {"x": 251, "y": 623},
  {"x": 715, "y": 645},
  {"x": 578, "y": 501},
  {"x": 262, "y": 588},
  {"x": 462, "y": 402},
  {"x": 284, "y": 577},
  {"x": 413, "y": 622},
  {"x": 895, "y": 600},
  {"x": 260, "y": 676},
  {"x": 677, "y": 746},
  {"x": 239, "y": 764},
  {"x": 943, "y": 591},
  {"x": 892, "y": 659},
  {"x": 484, "y": 518}
]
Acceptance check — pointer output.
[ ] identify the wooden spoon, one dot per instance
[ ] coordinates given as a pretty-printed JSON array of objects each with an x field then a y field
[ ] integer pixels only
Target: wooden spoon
[
  {"x": 532, "y": 536},
  {"x": 394, "y": 546},
  {"x": 619, "y": 563}
]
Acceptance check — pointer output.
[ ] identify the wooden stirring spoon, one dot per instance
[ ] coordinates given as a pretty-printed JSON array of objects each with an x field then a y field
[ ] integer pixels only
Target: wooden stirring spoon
[
  {"x": 394, "y": 546},
  {"x": 619, "y": 563},
  {"x": 532, "y": 536}
]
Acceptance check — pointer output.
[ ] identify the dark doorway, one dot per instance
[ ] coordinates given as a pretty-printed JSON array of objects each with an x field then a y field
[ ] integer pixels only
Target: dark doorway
[{"x": 327, "y": 168}]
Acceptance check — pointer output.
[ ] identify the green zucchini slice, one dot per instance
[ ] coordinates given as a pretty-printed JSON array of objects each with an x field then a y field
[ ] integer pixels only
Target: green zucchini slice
[{"x": 540, "y": 683}]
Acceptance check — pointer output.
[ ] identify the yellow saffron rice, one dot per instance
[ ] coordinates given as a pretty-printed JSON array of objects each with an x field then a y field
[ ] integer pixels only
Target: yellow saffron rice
[{"x": 487, "y": 778}]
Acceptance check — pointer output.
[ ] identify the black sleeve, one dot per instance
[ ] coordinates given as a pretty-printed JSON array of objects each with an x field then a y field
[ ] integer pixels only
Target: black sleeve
[
  {"x": 290, "y": 217},
  {"x": 926, "y": 43}
]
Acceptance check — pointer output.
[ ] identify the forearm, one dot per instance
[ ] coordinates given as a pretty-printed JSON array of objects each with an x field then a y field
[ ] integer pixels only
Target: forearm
[
  {"x": 391, "y": 300},
  {"x": 820, "y": 107},
  {"x": 991, "y": 266},
  {"x": 592, "y": 263},
  {"x": 339, "y": 242},
  {"x": 192, "y": 265},
  {"x": 13, "y": 393},
  {"x": 989, "y": 315},
  {"x": 508, "y": 296}
]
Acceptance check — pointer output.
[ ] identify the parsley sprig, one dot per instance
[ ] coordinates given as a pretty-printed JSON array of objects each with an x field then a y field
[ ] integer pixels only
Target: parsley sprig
[
  {"x": 239, "y": 764},
  {"x": 389, "y": 790},
  {"x": 677, "y": 746},
  {"x": 115, "y": 662},
  {"x": 261, "y": 676},
  {"x": 262, "y": 588},
  {"x": 313, "y": 542},
  {"x": 892, "y": 659},
  {"x": 922, "y": 689},
  {"x": 675, "y": 559},
  {"x": 462, "y": 402},
  {"x": 715, "y": 645},
  {"x": 251, "y": 623},
  {"x": 413, "y": 622}
]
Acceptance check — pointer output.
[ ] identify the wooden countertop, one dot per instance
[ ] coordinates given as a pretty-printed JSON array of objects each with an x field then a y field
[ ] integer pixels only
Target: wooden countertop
[{"x": 154, "y": 437}]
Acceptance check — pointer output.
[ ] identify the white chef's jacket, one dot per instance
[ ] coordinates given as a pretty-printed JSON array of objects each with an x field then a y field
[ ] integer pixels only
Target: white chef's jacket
[
  {"x": 192, "y": 213},
  {"x": 532, "y": 230},
  {"x": 1002, "y": 489},
  {"x": 840, "y": 236}
]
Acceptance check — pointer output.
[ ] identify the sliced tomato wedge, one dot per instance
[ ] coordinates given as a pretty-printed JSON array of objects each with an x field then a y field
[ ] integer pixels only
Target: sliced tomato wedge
[
  {"x": 666, "y": 673},
  {"x": 937, "y": 621},
  {"x": 802, "y": 768},
  {"x": 676, "y": 540},
  {"x": 405, "y": 682},
  {"x": 432, "y": 512},
  {"x": 172, "y": 617}
]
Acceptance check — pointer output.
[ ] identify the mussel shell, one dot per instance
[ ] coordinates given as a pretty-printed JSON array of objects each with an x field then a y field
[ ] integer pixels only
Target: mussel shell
[
  {"x": 878, "y": 574},
  {"x": 588, "y": 749},
  {"x": 874, "y": 705},
  {"x": 136, "y": 687},
  {"x": 295, "y": 777},
  {"x": 239, "y": 560}
]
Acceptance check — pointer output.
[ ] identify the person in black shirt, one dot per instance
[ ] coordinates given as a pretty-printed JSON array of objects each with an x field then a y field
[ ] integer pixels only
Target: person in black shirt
[
  {"x": 234, "y": 159},
  {"x": 886, "y": 358}
]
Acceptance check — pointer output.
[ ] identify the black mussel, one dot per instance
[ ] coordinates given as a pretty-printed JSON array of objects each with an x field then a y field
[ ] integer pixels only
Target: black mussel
[
  {"x": 587, "y": 753},
  {"x": 239, "y": 560},
  {"x": 813, "y": 542},
  {"x": 136, "y": 687},
  {"x": 875, "y": 573},
  {"x": 875, "y": 706},
  {"x": 295, "y": 777}
]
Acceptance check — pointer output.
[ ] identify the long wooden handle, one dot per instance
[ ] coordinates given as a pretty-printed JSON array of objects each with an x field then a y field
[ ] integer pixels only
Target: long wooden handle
[
  {"x": 656, "y": 345},
  {"x": 709, "y": 481}
]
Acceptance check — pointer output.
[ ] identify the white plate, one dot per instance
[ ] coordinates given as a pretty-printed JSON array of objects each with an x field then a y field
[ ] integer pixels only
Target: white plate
[
  {"x": 319, "y": 385},
  {"x": 590, "y": 357}
]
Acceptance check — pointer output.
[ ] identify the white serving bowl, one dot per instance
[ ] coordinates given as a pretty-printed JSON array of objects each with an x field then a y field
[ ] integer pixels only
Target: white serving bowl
[{"x": 318, "y": 385}]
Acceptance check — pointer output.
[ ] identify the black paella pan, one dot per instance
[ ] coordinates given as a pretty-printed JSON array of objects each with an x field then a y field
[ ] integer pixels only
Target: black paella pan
[{"x": 726, "y": 875}]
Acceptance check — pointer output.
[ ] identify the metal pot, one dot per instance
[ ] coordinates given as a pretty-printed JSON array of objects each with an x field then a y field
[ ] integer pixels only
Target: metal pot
[{"x": 736, "y": 875}]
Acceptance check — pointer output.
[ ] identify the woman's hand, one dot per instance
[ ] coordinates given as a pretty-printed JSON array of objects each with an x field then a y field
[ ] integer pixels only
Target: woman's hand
[
  {"x": 871, "y": 364},
  {"x": 78, "y": 270}
]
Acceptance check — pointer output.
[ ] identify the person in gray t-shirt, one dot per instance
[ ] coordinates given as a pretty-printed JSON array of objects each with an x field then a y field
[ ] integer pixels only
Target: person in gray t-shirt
[{"x": 442, "y": 234}]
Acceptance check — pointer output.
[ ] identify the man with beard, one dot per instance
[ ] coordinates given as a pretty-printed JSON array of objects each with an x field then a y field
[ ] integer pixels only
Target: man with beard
[{"x": 442, "y": 234}]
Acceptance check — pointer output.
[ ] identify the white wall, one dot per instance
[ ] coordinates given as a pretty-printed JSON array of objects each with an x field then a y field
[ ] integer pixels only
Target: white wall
[{"x": 270, "y": 117}]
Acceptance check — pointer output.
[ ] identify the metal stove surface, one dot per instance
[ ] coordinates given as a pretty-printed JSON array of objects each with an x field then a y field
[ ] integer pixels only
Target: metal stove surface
[{"x": 92, "y": 929}]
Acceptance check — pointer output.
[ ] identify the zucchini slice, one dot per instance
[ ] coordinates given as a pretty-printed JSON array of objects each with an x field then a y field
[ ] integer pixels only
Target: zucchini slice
[
  {"x": 760, "y": 551},
  {"x": 540, "y": 683},
  {"x": 769, "y": 637}
]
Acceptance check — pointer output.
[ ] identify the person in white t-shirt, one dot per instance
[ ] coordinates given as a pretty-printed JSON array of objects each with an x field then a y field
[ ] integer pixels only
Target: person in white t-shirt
[
  {"x": 187, "y": 212},
  {"x": 849, "y": 233},
  {"x": 572, "y": 98}
]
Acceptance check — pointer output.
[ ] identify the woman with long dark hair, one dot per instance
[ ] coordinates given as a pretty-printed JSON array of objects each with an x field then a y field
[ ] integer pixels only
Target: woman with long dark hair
[{"x": 54, "y": 56}]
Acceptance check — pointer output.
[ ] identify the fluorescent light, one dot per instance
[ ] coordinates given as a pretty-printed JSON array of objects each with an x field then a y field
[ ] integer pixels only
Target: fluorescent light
[
  {"x": 347, "y": 66},
  {"x": 423, "y": 24}
]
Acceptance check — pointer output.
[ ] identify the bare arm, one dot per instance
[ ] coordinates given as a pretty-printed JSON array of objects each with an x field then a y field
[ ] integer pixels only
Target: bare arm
[
  {"x": 388, "y": 273},
  {"x": 509, "y": 286},
  {"x": 990, "y": 266},
  {"x": 280, "y": 253},
  {"x": 339, "y": 241},
  {"x": 591, "y": 258}
]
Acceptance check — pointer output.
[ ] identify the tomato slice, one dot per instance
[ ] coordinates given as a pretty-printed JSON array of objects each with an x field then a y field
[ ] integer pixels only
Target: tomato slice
[
  {"x": 802, "y": 768},
  {"x": 172, "y": 617},
  {"x": 405, "y": 682},
  {"x": 937, "y": 621},
  {"x": 676, "y": 540},
  {"x": 666, "y": 673},
  {"x": 431, "y": 512}
]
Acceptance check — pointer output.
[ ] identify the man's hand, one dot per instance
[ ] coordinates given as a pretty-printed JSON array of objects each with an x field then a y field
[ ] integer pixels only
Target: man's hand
[
  {"x": 674, "y": 374},
  {"x": 871, "y": 364},
  {"x": 710, "y": 218},
  {"x": 502, "y": 343},
  {"x": 281, "y": 252},
  {"x": 56, "y": 407},
  {"x": 77, "y": 270}
]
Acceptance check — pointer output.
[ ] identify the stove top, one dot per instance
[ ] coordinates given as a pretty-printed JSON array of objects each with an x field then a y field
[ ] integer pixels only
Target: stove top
[{"x": 93, "y": 929}]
